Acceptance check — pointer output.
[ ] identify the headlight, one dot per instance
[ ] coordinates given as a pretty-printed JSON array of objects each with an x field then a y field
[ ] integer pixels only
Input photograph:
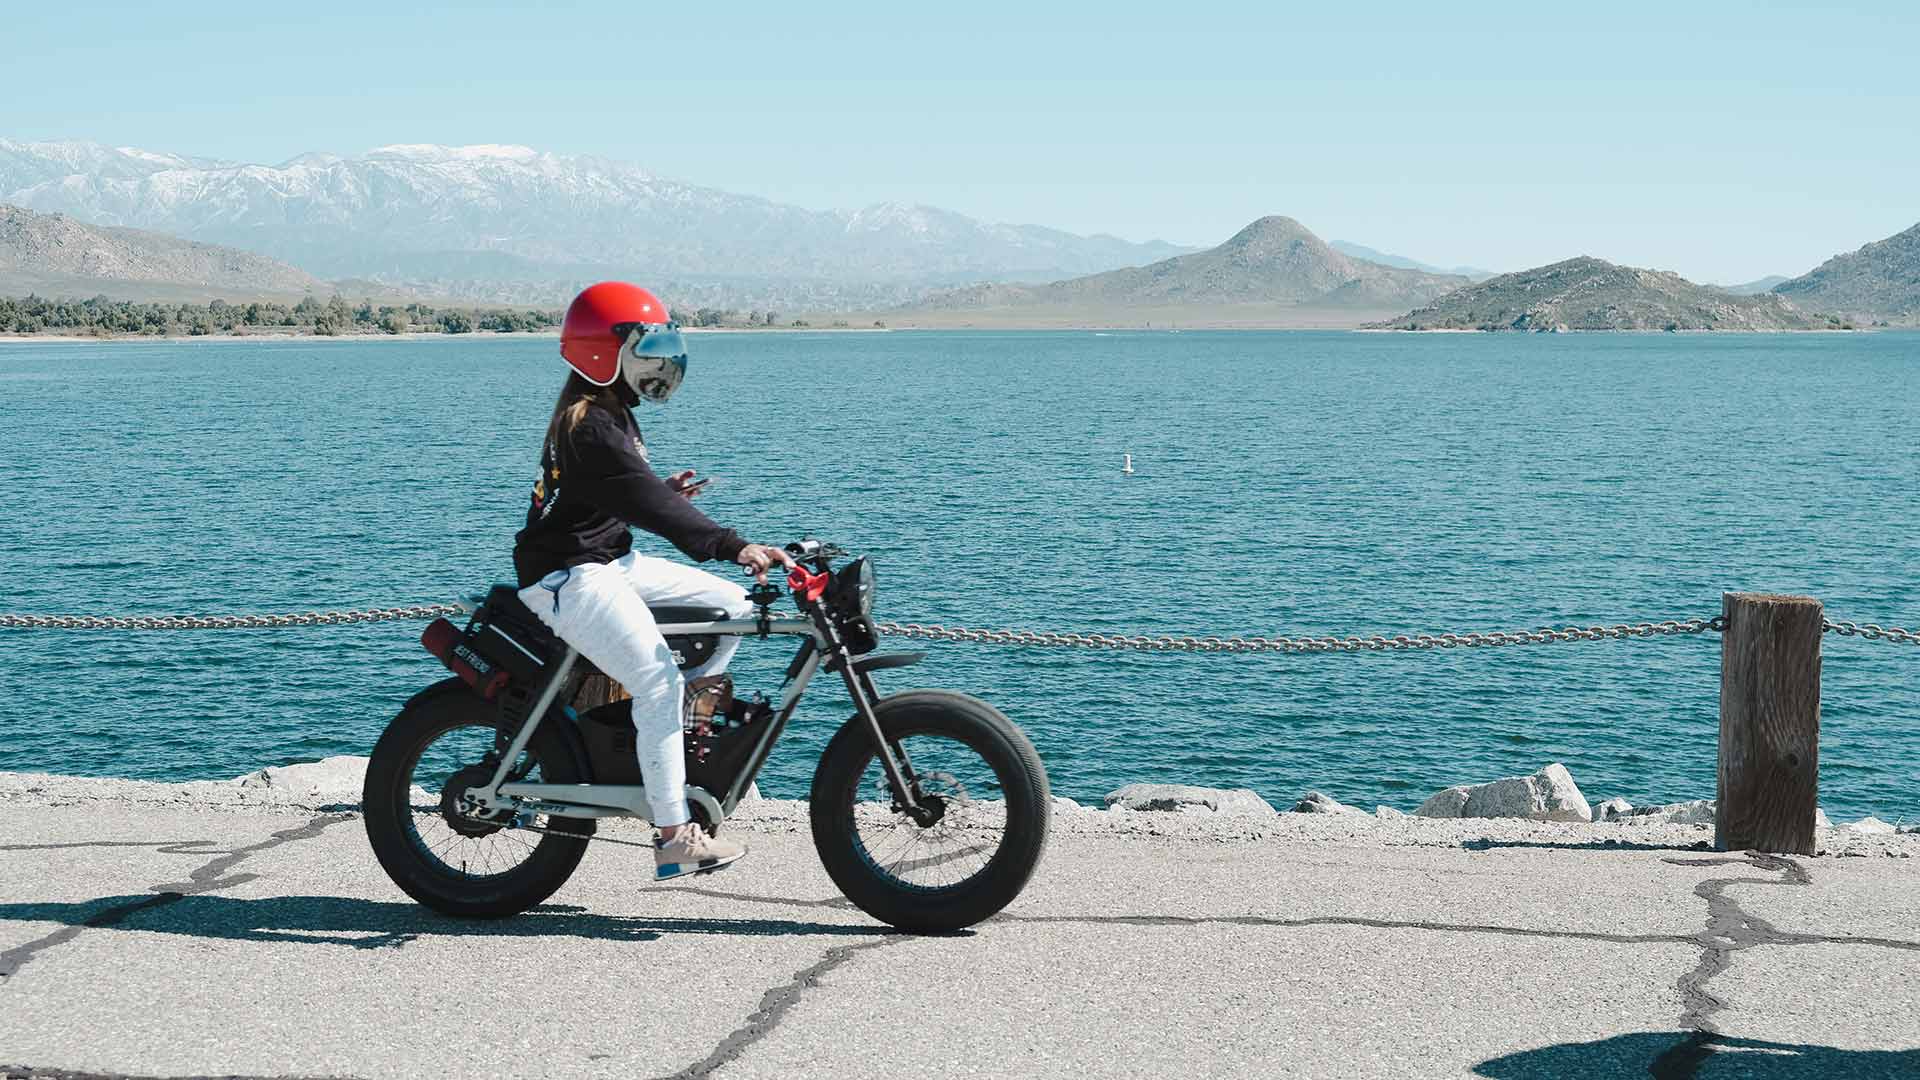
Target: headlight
[{"x": 852, "y": 591}]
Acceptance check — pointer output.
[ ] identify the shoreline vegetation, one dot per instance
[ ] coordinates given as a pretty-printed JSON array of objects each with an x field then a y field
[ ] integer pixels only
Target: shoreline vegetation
[
  {"x": 42, "y": 319},
  {"x": 100, "y": 318}
]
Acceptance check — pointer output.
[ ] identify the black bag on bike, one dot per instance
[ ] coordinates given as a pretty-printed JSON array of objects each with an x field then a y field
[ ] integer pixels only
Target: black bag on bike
[{"x": 503, "y": 643}]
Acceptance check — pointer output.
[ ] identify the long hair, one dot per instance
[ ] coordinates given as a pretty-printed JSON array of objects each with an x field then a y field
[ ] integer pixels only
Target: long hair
[{"x": 575, "y": 396}]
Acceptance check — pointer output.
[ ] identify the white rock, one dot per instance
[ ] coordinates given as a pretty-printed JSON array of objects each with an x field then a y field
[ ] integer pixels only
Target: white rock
[
  {"x": 1695, "y": 812},
  {"x": 1444, "y": 804},
  {"x": 336, "y": 779},
  {"x": 1820, "y": 820},
  {"x": 1316, "y": 803},
  {"x": 1612, "y": 810},
  {"x": 1871, "y": 826},
  {"x": 1185, "y": 797},
  {"x": 1548, "y": 795},
  {"x": 1064, "y": 805},
  {"x": 1388, "y": 813}
]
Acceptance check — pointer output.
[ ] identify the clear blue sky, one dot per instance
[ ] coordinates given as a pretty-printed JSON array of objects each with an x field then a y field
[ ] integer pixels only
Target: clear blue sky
[{"x": 1722, "y": 140}]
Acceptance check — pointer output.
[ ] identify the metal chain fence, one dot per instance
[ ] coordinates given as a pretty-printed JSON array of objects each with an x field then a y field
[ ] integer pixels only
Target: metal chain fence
[
  {"x": 1871, "y": 632},
  {"x": 1170, "y": 643},
  {"x": 1034, "y": 638},
  {"x": 225, "y": 622}
]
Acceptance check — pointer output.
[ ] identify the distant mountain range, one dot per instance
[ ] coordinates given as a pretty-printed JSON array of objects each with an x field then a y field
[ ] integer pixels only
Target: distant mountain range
[
  {"x": 1273, "y": 272},
  {"x": 1754, "y": 288},
  {"x": 1878, "y": 283},
  {"x": 512, "y": 223},
  {"x": 52, "y": 254},
  {"x": 1361, "y": 251},
  {"x": 1592, "y": 294}
]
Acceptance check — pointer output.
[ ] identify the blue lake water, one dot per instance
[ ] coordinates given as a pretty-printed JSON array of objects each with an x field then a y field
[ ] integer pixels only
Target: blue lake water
[{"x": 1301, "y": 483}]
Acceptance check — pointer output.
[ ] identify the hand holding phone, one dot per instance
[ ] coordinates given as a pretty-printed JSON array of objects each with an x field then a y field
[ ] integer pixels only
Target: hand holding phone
[{"x": 684, "y": 484}]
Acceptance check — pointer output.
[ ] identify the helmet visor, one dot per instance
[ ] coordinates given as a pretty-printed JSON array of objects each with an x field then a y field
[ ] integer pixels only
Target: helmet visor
[
  {"x": 662, "y": 342},
  {"x": 656, "y": 361}
]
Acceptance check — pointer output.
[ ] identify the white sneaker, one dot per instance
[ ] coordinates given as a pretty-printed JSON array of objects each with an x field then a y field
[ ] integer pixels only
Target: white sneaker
[{"x": 692, "y": 851}]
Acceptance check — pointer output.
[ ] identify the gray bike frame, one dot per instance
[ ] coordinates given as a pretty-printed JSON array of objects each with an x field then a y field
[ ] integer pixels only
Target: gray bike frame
[{"x": 629, "y": 800}]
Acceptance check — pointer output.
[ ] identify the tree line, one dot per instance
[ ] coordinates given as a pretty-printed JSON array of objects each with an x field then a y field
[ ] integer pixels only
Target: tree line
[{"x": 103, "y": 317}]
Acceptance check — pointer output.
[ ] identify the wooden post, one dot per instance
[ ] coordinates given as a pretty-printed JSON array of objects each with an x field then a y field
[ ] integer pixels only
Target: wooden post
[{"x": 1769, "y": 723}]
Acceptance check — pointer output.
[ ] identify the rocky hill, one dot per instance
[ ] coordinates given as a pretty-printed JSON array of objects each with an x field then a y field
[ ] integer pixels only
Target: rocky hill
[
  {"x": 53, "y": 254},
  {"x": 1592, "y": 294},
  {"x": 1878, "y": 283},
  {"x": 1266, "y": 270},
  {"x": 476, "y": 220}
]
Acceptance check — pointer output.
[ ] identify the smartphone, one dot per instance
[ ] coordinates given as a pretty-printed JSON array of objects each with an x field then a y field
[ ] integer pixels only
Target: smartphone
[{"x": 696, "y": 485}]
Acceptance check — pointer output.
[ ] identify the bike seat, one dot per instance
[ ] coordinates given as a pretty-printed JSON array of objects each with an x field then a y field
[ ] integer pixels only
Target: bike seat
[{"x": 686, "y": 613}]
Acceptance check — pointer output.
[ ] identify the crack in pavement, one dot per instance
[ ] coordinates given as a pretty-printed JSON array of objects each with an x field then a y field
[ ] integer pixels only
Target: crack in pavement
[
  {"x": 28, "y": 1072},
  {"x": 1731, "y": 930},
  {"x": 1779, "y": 938},
  {"x": 1728, "y": 930},
  {"x": 206, "y": 878},
  {"x": 776, "y": 1003},
  {"x": 1269, "y": 922}
]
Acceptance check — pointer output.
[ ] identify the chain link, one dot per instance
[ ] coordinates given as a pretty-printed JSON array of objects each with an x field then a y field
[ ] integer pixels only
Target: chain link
[
  {"x": 225, "y": 622},
  {"x": 1870, "y": 631},
  {"x": 1170, "y": 643}
]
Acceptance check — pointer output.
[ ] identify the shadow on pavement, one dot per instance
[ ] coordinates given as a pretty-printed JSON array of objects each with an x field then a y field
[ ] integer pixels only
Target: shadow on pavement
[
  {"x": 1670, "y": 1055},
  {"x": 375, "y": 924}
]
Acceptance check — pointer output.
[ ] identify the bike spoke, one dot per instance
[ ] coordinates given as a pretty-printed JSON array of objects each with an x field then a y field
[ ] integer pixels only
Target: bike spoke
[
  {"x": 456, "y": 850},
  {"x": 951, "y": 776}
]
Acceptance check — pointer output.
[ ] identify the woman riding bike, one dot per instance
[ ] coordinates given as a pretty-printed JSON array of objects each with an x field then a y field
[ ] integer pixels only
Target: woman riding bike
[{"x": 575, "y": 561}]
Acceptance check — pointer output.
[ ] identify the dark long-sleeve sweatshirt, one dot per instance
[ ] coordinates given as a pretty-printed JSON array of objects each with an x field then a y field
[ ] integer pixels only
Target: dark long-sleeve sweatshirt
[{"x": 594, "y": 485}]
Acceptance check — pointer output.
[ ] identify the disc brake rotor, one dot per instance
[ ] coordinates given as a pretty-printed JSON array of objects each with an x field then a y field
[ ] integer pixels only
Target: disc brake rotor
[{"x": 937, "y": 793}]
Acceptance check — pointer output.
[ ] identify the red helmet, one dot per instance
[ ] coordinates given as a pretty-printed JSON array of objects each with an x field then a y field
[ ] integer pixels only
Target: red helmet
[{"x": 612, "y": 318}]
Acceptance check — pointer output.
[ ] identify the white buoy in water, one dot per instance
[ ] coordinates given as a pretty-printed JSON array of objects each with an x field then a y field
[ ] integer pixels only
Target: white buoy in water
[{"x": 1126, "y": 464}]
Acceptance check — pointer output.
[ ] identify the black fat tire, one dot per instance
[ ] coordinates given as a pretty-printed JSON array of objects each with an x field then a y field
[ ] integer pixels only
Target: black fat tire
[
  {"x": 1024, "y": 784},
  {"x": 444, "y": 706}
]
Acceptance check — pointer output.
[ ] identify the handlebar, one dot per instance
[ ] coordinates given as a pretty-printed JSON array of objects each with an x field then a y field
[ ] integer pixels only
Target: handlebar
[{"x": 805, "y": 550}]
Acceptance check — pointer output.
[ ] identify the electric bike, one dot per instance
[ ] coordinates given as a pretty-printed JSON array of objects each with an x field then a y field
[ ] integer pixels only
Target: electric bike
[{"x": 929, "y": 808}]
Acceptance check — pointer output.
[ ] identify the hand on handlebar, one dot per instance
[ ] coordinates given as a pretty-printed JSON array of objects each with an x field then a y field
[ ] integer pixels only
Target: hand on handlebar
[{"x": 759, "y": 558}]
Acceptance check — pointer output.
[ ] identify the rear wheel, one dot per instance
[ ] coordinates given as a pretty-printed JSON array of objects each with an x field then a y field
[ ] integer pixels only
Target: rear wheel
[
  {"x": 985, "y": 795},
  {"x": 443, "y": 742}
]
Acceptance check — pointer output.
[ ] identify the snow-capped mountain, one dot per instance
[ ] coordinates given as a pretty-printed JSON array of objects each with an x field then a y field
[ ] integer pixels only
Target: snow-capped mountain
[{"x": 492, "y": 216}]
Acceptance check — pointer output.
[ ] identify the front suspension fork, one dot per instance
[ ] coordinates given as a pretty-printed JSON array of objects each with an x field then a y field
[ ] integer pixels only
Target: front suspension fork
[{"x": 893, "y": 757}]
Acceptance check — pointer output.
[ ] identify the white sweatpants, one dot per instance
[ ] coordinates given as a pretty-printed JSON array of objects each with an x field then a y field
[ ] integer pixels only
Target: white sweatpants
[{"x": 601, "y": 610}]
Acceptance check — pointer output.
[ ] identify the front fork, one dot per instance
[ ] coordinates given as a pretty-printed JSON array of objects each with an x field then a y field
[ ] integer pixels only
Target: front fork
[{"x": 893, "y": 757}]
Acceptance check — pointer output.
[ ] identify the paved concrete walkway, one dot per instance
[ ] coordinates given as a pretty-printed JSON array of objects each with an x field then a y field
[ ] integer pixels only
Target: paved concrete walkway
[{"x": 165, "y": 940}]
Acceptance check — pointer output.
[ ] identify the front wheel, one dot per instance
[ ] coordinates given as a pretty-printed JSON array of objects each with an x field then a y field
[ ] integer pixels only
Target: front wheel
[{"x": 979, "y": 780}]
